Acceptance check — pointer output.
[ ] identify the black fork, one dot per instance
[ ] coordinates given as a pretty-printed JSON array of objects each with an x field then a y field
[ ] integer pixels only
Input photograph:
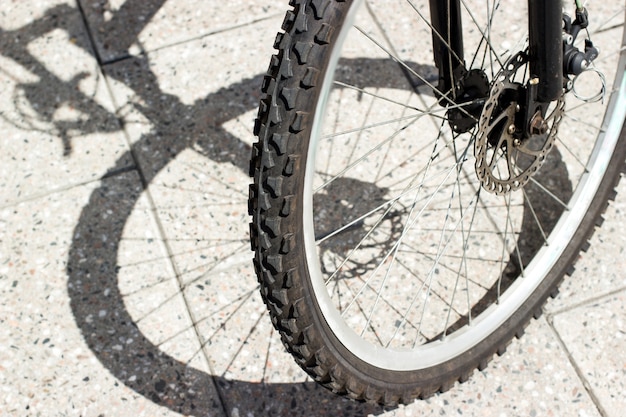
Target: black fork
[{"x": 545, "y": 21}]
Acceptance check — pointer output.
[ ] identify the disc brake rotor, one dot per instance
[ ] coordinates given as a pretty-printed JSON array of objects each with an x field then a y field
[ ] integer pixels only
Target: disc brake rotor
[{"x": 505, "y": 160}]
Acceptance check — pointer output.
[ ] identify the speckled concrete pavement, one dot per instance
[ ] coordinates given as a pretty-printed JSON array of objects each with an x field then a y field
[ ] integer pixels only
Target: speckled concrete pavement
[{"x": 126, "y": 287}]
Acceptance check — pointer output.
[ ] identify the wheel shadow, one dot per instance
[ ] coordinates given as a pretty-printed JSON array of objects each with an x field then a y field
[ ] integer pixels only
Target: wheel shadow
[
  {"x": 92, "y": 265},
  {"x": 141, "y": 365},
  {"x": 93, "y": 271}
]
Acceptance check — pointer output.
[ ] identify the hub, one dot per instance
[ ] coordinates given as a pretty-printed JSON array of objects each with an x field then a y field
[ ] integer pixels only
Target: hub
[
  {"x": 509, "y": 151},
  {"x": 471, "y": 94}
]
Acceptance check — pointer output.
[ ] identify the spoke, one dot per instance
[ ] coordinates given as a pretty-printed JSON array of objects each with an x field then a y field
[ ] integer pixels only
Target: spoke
[
  {"x": 512, "y": 225},
  {"x": 482, "y": 32},
  {"x": 412, "y": 71},
  {"x": 440, "y": 253},
  {"x": 504, "y": 244},
  {"x": 411, "y": 187},
  {"x": 490, "y": 15},
  {"x": 412, "y": 120},
  {"x": 463, "y": 262},
  {"x": 373, "y": 228},
  {"x": 534, "y": 213},
  {"x": 367, "y": 127},
  {"x": 358, "y": 136},
  {"x": 368, "y": 153},
  {"x": 571, "y": 152},
  {"x": 438, "y": 154},
  {"x": 430, "y": 276},
  {"x": 360, "y": 219},
  {"x": 410, "y": 249},
  {"x": 447, "y": 44},
  {"x": 357, "y": 247},
  {"x": 389, "y": 100},
  {"x": 434, "y": 293},
  {"x": 386, "y": 277},
  {"x": 586, "y": 123},
  {"x": 401, "y": 239},
  {"x": 433, "y": 255},
  {"x": 387, "y": 303},
  {"x": 554, "y": 197},
  {"x": 602, "y": 27},
  {"x": 397, "y": 243},
  {"x": 379, "y": 174},
  {"x": 431, "y": 111},
  {"x": 361, "y": 309}
]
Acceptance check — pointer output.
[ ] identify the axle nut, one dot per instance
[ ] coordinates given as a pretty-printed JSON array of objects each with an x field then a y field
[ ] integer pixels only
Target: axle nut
[{"x": 538, "y": 125}]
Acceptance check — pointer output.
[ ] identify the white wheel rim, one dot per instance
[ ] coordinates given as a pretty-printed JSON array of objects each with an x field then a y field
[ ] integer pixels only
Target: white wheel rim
[{"x": 496, "y": 315}]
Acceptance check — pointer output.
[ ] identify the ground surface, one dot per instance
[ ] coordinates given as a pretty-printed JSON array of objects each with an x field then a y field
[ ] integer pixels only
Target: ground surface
[{"x": 126, "y": 286}]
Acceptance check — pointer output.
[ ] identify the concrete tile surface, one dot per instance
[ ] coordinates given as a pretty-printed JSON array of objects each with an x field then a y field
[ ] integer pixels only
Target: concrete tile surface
[
  {"x": 597, "y": 273},
  {"x": 126, "y": 286},
  {"x": 122, "y": 27},
  {"x": 18, "y": 14},
  {"x": 594, "y": 336},
  {"x": 534, "y": 377},
  {"x": 67, "y": 348}
]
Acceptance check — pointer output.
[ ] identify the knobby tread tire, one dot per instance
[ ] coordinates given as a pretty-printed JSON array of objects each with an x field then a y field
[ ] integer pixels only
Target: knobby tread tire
[{"x": 275, "y": 199}]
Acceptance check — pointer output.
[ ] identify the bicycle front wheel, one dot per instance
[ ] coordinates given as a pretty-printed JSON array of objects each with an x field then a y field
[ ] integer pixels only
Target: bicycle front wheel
[{"x": 401, "y": 239}]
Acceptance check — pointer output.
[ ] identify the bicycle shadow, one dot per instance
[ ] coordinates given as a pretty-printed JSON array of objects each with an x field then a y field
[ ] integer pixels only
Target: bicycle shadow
[
  {"x": 92, "y": 267},
  {"x": 93, "y": 271},
  {"x": 93, "y": 279},
  {"x": 93, "y": 275}
]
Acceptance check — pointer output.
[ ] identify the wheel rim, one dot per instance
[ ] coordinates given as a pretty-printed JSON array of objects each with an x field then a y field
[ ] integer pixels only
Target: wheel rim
[{"x": 388, "y": 351}]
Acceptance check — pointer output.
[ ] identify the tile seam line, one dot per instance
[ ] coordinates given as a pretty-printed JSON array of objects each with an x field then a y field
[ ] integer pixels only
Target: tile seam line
[
  {"x": 170, "y": 257},
  {"x": 143, "y": 52},
  {"x": 152, "y": 205},
  {"x": 585, "y": 303},
  {"x": 92, "y": 43},
  {"x": 579, "y": 372}
]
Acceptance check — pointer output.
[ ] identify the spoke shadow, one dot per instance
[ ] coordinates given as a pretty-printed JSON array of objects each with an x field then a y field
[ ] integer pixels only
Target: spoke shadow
[
  {"x": 92, "y": 267},
  {"x": 93, "y": 271}
]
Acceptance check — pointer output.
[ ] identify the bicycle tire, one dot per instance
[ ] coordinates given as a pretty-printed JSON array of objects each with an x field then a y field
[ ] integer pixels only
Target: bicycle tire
[{"x": 295, "y": 246}]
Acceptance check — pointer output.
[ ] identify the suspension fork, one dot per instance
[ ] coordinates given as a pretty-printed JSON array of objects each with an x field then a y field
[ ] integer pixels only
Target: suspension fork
[
  {"x": 447, "y": 32},
  {"x": 545, "y": 47},
  {"x": 545, "y": 21}
]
